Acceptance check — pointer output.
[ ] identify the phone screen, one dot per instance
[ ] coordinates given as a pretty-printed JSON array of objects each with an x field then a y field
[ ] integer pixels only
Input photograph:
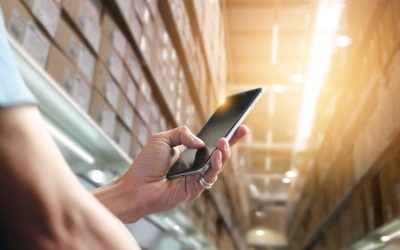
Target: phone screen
[{"x": 219, "y": 125}]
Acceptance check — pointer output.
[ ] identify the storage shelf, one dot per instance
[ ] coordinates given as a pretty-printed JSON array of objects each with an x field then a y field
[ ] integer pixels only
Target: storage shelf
[
  {"x": 351, "y": 127},
  {"x": 147, "y": 69},
  {"x": 61, "y": 111},
  {"x": 312, "y": 237},
  {"x": 182, "y": 54},
  {"x": 191, "y": 9},
  {"x": 226, "y": 217},
  {"x": 341, "y": 203},
  {"x": 168, "y": 221},
  {"x": 162, "y": 227},
  {"x": 373, "y": 241}
]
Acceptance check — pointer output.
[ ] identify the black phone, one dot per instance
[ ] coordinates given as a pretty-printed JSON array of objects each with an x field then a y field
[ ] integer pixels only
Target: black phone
[{"x": 223, "y": 123}]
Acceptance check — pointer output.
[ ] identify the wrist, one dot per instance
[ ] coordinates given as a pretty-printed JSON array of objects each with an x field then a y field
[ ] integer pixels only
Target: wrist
[{"x": 120, "y": 200}]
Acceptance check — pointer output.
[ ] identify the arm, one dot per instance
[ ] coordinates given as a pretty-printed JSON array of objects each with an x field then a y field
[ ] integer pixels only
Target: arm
[
  {"x": 43, "y": 204},
  {"x": 144, "y": 189}
]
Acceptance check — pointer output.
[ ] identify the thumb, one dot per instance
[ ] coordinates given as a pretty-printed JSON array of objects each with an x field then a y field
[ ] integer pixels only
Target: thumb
[{"x": 182, "y": 136}]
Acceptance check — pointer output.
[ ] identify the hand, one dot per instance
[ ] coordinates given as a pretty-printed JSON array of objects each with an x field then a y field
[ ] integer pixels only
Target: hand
[{"x": 144, "y": 188}]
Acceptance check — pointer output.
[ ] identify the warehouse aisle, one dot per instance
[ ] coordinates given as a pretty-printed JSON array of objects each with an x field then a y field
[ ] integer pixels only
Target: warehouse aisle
[
  {"x": 324, "y": 146},
  {"x": 320, "y": 166}
]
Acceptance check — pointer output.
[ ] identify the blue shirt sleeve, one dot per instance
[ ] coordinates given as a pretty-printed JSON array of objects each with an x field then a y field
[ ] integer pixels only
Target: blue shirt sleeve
[{"x": 13, "y": 90}]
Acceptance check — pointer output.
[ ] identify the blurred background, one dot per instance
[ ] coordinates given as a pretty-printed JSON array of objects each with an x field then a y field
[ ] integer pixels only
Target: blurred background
[{"x": 320, "y": 167}]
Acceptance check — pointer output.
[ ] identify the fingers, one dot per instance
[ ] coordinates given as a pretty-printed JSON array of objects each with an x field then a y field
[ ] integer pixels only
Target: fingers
[
  {"x": 218, "y": 160},
  {"x": 239, "y": 134},
  {"x": 181, "y": 136},
  {"x": 222, "y": 154},
  {"x": 216, "y": 165},
  {"x": 223, "y": 146},
  {"x": 176, "y": 153}
]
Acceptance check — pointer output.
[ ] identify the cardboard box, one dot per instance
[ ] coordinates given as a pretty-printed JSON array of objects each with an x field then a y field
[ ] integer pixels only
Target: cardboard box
[
  {"x": 157, "y": 67},
  {"x": 68, "y": 76},
  {"x": 102, "y": 113},
  {"x": 114, "y": 33},
  {"x": 143, "y": 108},
  {"x": 136, "y": 147},
  {"x": 149, "y": 26},
  {"x": 125, "y": 111},
  {"x": 135, "y": 26},
  {"x": 21, "y": 26},
  {"x": 153, "y": 4},
  {"x": 133, "y": 65},
  {"x": 129, "y": 88},
  {"x": 154, "y": 107},
  {"x": 81, "y": 14},
  {"x": 94, "y": 8},
  {"x": 145, "y": 89},
  {"x": 140, "y": 7},
  {"x": 111, "y": 59},
  {"x": 125, "y": 7},
  {"x": 104, "y": 83},
  {"x": 163, "y": 124},
  {"x": 122, "y": 137},
  {"x": 154, "y": 127},
  {"x": 47, "y": 12},
  {"x": 140, "y": 129},
  {"x": 16, "y": 18},
  {"x": 144, "y": 134},
  {"x": 145, "y": 49},
  {"x": 158, "y": 40},
  {"x": 71, "y": 44}
]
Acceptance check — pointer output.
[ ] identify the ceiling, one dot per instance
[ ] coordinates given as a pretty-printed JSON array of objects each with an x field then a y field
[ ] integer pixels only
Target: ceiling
[{"x": 267, "y": 44}]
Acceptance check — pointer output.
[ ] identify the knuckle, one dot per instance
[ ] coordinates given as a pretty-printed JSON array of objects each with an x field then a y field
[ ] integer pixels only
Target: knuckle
[
  {"x": 184, "y": 129},
  {"x": 156, "y": 136}
]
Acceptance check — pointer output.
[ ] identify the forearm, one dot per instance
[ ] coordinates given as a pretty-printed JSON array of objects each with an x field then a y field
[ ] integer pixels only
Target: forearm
[{"x": 45, "y": 206}]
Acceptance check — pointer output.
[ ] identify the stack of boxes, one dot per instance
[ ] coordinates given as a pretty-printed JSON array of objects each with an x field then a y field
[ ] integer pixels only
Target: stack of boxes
[
  {"x": 160, "y": 59},
  {"x": 28, "y": 32},
  {"x": 189, "y": 53},
  {"x": 357, "y": 163},
  {"x": 83, "y": 49},
  {"x": 212, "y": 36},
  {"x": 85, "y": 16}
]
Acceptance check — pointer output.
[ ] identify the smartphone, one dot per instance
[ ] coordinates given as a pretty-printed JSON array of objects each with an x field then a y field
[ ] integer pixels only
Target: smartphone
[{"x": 223, "y": 123}]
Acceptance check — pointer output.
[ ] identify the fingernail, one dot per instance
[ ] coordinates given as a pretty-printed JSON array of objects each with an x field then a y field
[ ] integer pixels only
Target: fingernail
[
  {"x": 219, "y": 158},
  {"x": 197, "y": 139}
]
